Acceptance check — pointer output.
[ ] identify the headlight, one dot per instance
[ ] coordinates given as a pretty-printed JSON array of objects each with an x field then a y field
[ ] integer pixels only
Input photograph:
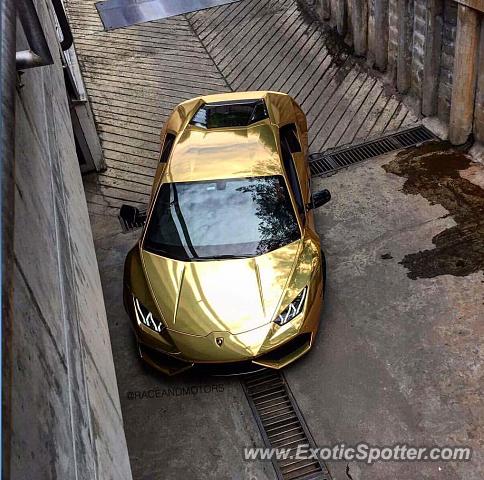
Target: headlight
[
  {"x": 293, "y": 309},
  {"x": 144, "y": 316}
]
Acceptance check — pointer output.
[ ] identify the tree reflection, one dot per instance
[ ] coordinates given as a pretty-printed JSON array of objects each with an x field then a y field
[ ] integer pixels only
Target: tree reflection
[
  {"x": 277, "y": 222},
  {"x": 221, "y": 218}
]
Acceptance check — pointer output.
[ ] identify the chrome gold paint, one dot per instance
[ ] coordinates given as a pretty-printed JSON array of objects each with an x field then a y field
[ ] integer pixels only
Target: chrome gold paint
[
  {"x": 202, "y": 154},
  {"x": 198, "y": 298},
  {"x": 224, "y": 310}
]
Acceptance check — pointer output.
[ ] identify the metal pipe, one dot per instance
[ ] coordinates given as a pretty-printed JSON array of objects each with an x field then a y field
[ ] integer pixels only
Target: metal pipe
[
  {"x": 64, "y": 25},
  {"x": 8, "y": 77},
  {"x": 39, "y": 53}
]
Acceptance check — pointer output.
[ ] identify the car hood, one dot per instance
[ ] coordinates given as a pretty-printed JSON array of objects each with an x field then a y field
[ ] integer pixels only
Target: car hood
[{"x": 235, "y": 295}]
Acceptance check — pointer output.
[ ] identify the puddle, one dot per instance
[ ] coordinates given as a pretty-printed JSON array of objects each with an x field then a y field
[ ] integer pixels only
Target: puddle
[{"x": 433, "y": 172}]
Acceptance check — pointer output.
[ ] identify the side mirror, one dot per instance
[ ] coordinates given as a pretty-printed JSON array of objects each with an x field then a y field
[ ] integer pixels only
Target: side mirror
[
  {"x": 320, "y": 198},
  {"x": 131, "y": 217}
]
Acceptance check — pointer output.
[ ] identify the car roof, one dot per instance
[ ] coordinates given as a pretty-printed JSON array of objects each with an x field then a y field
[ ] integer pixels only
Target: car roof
[
  {"x": 208, "y": 154},
  {"x": 229, "y": 152}
]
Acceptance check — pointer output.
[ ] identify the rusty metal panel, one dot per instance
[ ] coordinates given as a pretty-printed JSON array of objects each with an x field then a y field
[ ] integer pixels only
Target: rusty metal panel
[{"x": 124, "y": 13}]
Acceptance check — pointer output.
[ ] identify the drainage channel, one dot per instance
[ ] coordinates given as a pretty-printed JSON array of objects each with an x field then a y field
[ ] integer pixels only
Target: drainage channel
[
  {"x": 282, "y": 425},
  {"x": 335, "y": 159}
]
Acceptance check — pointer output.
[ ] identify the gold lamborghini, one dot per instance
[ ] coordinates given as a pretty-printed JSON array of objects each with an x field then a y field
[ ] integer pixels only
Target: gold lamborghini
[{"x": 228, "y": 271}]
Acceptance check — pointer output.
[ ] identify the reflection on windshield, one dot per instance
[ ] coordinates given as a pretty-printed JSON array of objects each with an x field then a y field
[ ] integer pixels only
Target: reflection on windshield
[{"x": 241, "y": 217}]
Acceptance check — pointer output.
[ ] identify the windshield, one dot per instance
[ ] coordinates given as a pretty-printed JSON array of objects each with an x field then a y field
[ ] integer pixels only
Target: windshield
[{"x": 241, "y": 217}]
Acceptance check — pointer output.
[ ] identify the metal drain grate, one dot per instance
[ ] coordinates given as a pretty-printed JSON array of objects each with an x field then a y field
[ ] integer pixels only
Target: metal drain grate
[
  {"x": 281, "y": 425},
  {"x": 322, "y": 163}
]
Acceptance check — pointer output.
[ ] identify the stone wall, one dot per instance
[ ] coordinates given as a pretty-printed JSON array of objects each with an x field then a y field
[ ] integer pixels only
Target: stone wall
[
  {"x": 449, "y": 20},
  {"x": 413, "y": 43},
  {"x": 419, "y": 28},
  {"x": 66, "y": 415}
]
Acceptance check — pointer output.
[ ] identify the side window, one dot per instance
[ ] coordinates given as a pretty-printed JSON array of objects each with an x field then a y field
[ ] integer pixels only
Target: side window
[
  {"x": 292, "y": 176},
  {"x": 167, "y": 147},
  {"x": 289, "y": 132}
]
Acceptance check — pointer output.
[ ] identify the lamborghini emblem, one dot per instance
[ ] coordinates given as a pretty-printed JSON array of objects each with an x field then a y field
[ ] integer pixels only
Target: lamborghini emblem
[{"x": 219, "y": 341}]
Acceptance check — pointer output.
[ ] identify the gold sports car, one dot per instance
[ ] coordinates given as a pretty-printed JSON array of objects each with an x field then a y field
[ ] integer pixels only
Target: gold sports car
[{"x": 228, "y": 274}]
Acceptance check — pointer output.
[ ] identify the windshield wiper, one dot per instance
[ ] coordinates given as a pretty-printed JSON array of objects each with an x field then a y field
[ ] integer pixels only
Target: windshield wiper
[{"x": 222, "y": 257}]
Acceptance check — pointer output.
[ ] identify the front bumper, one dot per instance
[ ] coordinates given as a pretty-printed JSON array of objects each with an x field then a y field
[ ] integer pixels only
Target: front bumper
[
  {"x": 268, "y": 346},
  {"x": 275, "y": 359}
]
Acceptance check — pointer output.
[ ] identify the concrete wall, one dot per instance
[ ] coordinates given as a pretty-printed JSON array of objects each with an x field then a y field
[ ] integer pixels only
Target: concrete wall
[
  {"x": 66, "y": 417},
  {"x": 413, "y": 42}
]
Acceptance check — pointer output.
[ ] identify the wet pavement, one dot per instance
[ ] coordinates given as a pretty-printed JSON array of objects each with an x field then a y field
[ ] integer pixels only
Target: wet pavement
[{"x": 433, "y": 172}]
